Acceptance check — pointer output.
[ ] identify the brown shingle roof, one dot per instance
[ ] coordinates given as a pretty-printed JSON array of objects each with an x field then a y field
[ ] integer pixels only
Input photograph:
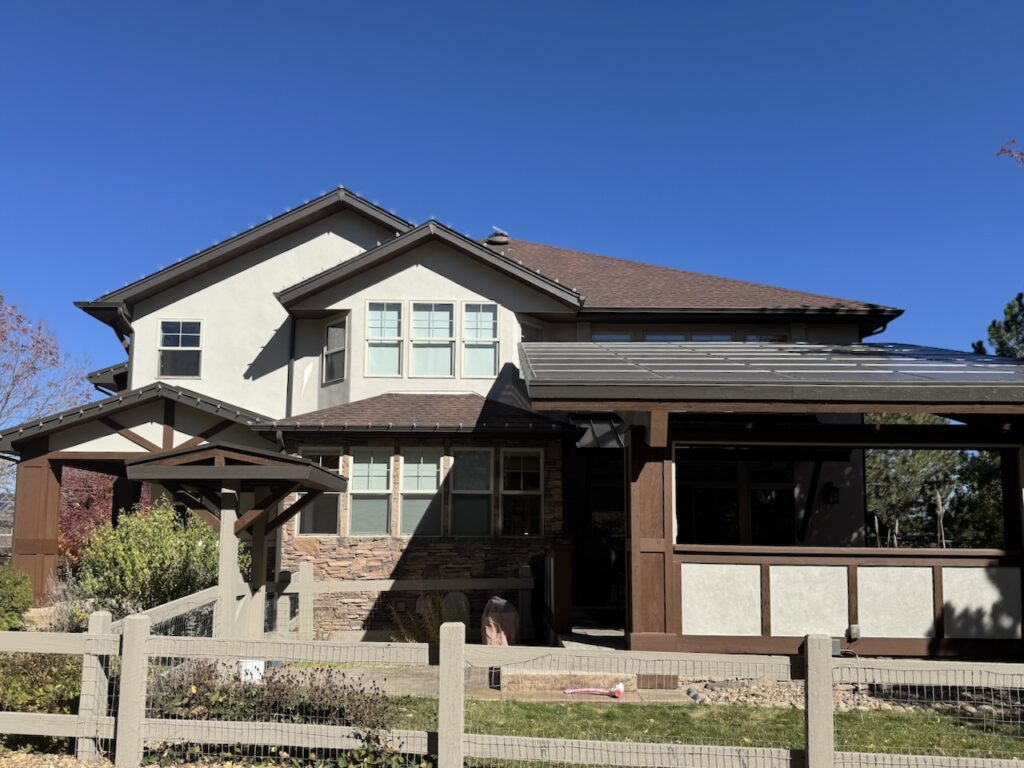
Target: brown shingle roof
[
  {"x": 402, "y": 412},
  {"x": 611, "y": 283}
]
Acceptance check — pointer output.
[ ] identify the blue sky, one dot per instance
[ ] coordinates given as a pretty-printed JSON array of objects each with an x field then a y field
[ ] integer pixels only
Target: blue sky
[{"x": 846, "y": 149}]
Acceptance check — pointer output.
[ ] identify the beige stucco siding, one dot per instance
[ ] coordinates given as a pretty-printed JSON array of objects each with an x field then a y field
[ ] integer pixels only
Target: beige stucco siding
[{"x": 245, "y": 330}]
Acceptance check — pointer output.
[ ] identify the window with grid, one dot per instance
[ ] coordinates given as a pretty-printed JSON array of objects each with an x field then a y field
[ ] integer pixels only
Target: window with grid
[
  {"x": 531, "y": 333},
  {"x": 664, "y": 337},
  {"x": 334, "y": 352},
  {"x": 611, "y": 337},
  {"x": 433, "y": 340},
  {"x": 774, "y": 338},
  {"x": 420, "y": 514},
  {"x": 320, "y": 516},
  {"x": 711, "y": 337},
  {"x": 370, "y": 494},
  {"x": 384, "y": 339},
  {"x": 480, "y": 340},
  {"x": 471, "y": 492},
  {"x": 180, "y": 348},
  {"x": 521, "y": 491}
]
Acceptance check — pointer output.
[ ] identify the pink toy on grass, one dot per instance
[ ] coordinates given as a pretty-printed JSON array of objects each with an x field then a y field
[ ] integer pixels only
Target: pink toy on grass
[{"x": 615, "y": 693}]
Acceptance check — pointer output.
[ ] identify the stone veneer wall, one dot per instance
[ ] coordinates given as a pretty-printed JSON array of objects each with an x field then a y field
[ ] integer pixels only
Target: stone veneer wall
[{"x": 401, "y": 557}]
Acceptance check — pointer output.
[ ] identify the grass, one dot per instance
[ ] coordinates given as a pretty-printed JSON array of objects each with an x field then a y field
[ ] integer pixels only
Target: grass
[{"x": 740, "y": 725}]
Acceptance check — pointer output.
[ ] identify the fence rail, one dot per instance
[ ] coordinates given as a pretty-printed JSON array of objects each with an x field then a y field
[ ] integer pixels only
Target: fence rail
[{"x": 124, "y": 720}]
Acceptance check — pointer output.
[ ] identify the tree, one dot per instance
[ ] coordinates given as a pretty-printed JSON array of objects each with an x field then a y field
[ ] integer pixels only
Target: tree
[
  {"x": 1008, "y": 150},
  {"x": 1007, "y": 335}
]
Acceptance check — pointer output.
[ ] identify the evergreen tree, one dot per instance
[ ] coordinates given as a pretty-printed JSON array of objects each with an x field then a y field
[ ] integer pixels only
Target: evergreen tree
[{"x": 1007, "y": 335}]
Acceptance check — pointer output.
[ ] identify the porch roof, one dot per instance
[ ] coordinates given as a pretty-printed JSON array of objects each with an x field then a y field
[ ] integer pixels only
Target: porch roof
[{"x": 737, "y": 372}]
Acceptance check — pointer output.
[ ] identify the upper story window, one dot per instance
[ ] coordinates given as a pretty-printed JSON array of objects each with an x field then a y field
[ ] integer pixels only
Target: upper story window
[
  {"x": 384, "y": 339},
  {"x": 612, "y": 338},
  {"x": 531, "y": 333},
  {"x": 480, "y": 340},
  {"x": 664, "y": 337},
  {"x": 774, "y": 338},
  {"x": 334, "y": 352},
  {"x": 711, "y": 337},
  {"x": 433, "y": 340},
  {"x": 180, "y": 348}
]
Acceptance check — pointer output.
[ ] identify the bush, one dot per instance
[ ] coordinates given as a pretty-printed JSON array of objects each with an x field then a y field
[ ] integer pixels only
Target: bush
[
  {"x": 150, "y": 558},
  {"x": 15, "y": 597},
  {"x": 40, "y": 682}
]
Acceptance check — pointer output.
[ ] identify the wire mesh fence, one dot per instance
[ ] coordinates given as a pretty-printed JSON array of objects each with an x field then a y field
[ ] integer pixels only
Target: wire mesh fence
[
  {"x": 952, "y": 710},
  {"x": 289, "y": 701}
]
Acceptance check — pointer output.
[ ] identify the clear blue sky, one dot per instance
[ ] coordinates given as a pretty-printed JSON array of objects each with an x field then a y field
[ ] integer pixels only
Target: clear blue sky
[{"x": 844, "y": 148}]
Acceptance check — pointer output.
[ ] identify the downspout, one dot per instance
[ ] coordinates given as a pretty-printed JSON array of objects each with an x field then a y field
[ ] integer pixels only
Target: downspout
[{"x": 291, "y": 367}]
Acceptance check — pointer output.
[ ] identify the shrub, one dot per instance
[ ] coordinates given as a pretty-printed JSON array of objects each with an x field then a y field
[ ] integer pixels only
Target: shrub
[
  {"x": 422, "y": 624},
  {"x": 15, "y": 597},
  {"x": 40, "y": 682},
  {"x": 150, "y": 558}
]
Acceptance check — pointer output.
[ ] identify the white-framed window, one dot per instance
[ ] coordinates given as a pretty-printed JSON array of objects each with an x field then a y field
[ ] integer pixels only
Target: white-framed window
[
  {"x": 774, "y": 338},
  {"x": 479, "y": 340},
  {"x": 369, "y": 512},
  {"x": 432, "y": 350},
  {"x": 472, "y": 491},
  {"x": 420, "y": 513},
  {"x": 384, "y": 338},
  {"x": 522, "y": 491},
  {"x": 611, "y": 337},
  {"x": 320, "y": 516},
  {"x": 180, "y": 349},
  {"x": 335, "y": 341},
  {"x": 712, "y": 337}
]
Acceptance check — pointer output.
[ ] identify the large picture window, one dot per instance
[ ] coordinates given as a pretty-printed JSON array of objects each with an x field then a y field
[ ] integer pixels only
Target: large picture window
[
  {"x": 433, "y": 340},
  {"x": 471, "y": 492},
  {"x": 521, "y": 491},
  {"x": 334, "y": 352},
  {"x": 480, "y": 340},
  {"x": 384, "y": 339},
  {"x": 320, "y": 516},
  {"x": 180, "y": 348},
  {"x": 370, "y": 497},
  {"x": 421, "y": 495}
]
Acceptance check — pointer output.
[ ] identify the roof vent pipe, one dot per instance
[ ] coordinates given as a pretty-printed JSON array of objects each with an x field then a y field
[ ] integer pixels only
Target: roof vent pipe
[{"x": 498, "y": 237}]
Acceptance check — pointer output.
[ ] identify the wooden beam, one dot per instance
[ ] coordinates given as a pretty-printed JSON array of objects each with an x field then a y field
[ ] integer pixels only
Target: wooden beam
[
  {"x": 657, "y": 433},
  {"x": 264, "y": 505},
  {"x": 207, "y": 433},
  {"x": 293, "y": 510},
  {"x": 128, "y": 434},
  {"x": 198, "y": 506},
  {"x": 168, "y": 436},
  {"x": 848, "y": 435},
  {"x": 744, "y": 406}
]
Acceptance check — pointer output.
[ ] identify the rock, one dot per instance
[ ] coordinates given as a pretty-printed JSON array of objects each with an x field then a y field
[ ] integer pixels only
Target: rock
[
  {"x": 726, "y": 685},
  {"x": 692, "y": 692}
]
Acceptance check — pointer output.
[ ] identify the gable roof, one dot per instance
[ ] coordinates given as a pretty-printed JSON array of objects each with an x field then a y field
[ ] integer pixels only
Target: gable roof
[
  {"x": 614, "y": 284},
  {"x": 414, "y": 412},
  {"x": 430, "y": 230},
  {"x": 301, "y": 216},
  {"x": 120, "y": 402}
]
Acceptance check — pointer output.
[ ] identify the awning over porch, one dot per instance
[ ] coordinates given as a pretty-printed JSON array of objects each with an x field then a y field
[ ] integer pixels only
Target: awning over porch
[{"x": 701, "y": 376}]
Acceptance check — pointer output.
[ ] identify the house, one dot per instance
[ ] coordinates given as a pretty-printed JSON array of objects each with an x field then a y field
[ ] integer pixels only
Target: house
[{"x": 675, "y": 454}]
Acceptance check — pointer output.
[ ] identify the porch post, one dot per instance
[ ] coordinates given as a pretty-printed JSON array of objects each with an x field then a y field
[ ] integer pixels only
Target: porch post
[
  {"x": 36, "y": 511},
  {"x": 229, "y": 579},
  {"x": 258, "y": 578}
]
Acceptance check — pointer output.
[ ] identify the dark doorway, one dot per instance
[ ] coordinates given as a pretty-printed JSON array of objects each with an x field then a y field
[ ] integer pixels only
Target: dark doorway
[{"x": 599, "y": 554}]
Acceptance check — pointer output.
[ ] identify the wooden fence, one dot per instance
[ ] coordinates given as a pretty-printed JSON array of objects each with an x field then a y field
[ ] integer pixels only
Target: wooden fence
[{"x": 131, "y": 727}]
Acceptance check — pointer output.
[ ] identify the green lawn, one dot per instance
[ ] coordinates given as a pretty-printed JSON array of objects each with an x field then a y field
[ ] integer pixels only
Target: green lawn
[{"x": 921, "y": 733}]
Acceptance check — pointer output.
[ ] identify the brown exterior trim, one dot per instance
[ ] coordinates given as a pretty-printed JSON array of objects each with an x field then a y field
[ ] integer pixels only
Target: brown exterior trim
[
  {"x": 766, "y": 600},
  {"x": 853, "y": 606},
  {"x": 292, "y": 511},
  {"x": 921, "y": 647},
  {"x": 938, "y": 602},
  {"x": 128, "y": 434},
  {"x": 264, "y": 506},
  {"x": 168, "y": 435},
  {"x": 207, "y": 434},
  {"x": 752, "y": 406},
  {"x": 715, "y": 553}
]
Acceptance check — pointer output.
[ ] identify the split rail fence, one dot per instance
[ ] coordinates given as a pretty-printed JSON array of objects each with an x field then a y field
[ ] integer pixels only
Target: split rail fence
[{"x": 119, "y": 715}]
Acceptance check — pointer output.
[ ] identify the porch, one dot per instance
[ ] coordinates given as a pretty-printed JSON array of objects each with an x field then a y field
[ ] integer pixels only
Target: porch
[{"x": 746, "y": 493}]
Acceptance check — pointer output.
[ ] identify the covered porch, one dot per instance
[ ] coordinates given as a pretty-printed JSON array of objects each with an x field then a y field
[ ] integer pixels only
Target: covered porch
[{"x": 748, "y": 522}]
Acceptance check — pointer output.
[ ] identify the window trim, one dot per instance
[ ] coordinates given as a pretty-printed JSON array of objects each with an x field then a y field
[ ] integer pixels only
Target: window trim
[
  {"x": 464, "y": 340},
  {"x": 399, "y": 340},
  {"x": 161, "y": 348},
  {"x": 426, "y": 341},
  {"x": 343, "y": 321},
  {"x": 402, "y": 493},
  {"x": 452, "y": 492},
  {"x": 502, "y": 492},
  {"x": 337, "y": 499},
  {"x": 351, "y": 492}
]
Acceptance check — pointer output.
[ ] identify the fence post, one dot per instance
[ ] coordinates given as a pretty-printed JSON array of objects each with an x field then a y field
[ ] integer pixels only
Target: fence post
[
  {"x": 131, "y": 708},
  {"x": 306, "y": 598},
  {"x": 92, "y": 702},
  {"x": 818, "y": 712},
  {"x": 526, "y": 604},
  {"x": 451, "y": 701}
]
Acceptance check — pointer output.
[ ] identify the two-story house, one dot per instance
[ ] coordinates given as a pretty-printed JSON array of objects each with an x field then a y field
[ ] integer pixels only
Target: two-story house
[{"x": 675, "y": 454}]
